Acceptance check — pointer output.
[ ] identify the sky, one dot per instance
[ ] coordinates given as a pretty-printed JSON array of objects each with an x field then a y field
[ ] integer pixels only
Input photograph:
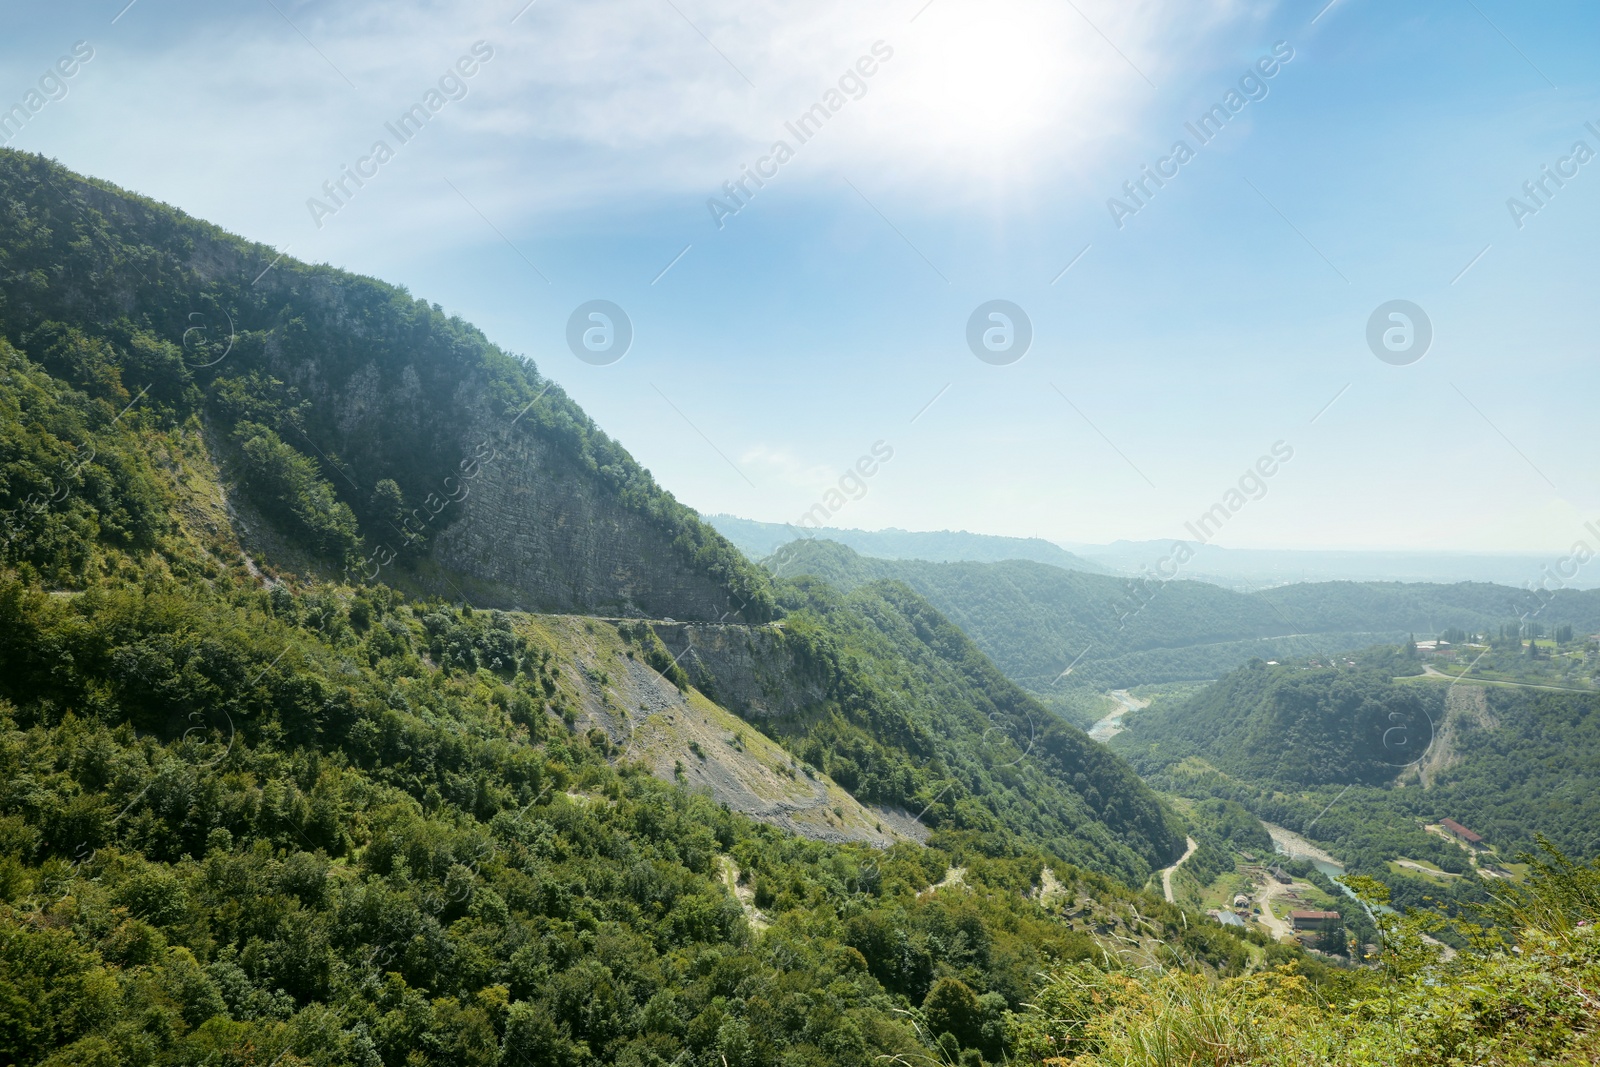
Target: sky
[{"x": 1160, "y": 347}]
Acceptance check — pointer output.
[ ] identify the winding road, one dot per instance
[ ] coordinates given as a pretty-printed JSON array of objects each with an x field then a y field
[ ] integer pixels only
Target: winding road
[
  {"x": 1166, "y": 872},
  {"x": 1430, "y": 671},
  {"x": 1280, "y": 930}
]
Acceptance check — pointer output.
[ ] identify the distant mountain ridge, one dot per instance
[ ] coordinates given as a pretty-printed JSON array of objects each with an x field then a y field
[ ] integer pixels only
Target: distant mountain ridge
[
  {"x": 1246, "y": 569},
  {"x": 1240, "y": 569},
  {"x": 758, "y": 540},
  {"x": 1037, "y": 621}
]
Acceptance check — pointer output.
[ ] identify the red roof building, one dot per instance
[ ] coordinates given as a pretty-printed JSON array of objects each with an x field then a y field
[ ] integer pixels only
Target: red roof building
[
  {"x": 1461, "y": 831},
  {"x": 1306, "y": 919}
]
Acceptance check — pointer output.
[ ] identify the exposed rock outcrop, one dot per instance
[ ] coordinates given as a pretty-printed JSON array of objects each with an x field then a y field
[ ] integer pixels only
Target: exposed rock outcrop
[
  {"x": 542, "y": 534},
  {"x": 752, "y": 671}
]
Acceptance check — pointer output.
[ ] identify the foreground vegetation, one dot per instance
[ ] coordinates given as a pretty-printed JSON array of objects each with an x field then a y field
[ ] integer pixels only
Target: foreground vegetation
[
  {"x": 1526, "y": 992},
  {"x": 242, "y": 826},
  {"x": 325, "y": 826}
]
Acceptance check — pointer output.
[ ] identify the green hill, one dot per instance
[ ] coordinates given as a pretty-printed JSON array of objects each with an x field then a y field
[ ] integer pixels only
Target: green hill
[
  {"x": 313, "y": 824},
  {"x": 1294, "y": 727},
  {"x": 916, "y": 717},
  {"x": 1035, "y": 620},
  {"x": 121, "y": 440},
  {"x": 759, "y": 540},
  {"x": 362, "y": 427}
]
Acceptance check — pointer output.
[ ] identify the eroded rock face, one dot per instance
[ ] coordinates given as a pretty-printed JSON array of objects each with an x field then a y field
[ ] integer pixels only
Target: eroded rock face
[
  {"x": 750, "y": 670},
  {"x": 685, "y": 737},
  {"x": 544, "y": 535}
]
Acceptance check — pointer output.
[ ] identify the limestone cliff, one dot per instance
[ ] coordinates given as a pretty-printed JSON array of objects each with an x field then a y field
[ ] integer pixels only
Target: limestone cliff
[
  {"x": 540, "y": 533},
  {"x": 750, "y": 670}
]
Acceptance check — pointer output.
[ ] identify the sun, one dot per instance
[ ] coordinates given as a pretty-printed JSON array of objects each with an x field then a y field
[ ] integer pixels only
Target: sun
[{"x": 1003, "y": 84}]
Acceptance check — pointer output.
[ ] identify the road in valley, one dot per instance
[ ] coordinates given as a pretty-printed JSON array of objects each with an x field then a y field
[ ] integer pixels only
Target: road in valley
[
  {"x": 1280, "y": 929},
  {"x": 1166, "y": 873}
]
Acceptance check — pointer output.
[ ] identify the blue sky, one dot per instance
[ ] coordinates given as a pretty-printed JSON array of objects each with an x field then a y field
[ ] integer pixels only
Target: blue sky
[{"x": 1230, "y": 313}]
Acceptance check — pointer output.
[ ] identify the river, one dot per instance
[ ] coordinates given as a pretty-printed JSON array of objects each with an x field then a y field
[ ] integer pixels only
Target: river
[
  {"x": 1111, "y": 725},
  {"x": 1292, "y": 845}
]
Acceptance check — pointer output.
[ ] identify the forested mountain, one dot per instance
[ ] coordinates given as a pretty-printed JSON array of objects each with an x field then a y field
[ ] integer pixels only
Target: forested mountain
[
  {"x": 364, "y": 427},
  {"x": 761, "y": 539},
  {"x": 267, "y": 796},
  {"x": 916, "y": 711},
  {"x": 1294, "y": 727},
  {"x": 316, "y": 825},
  {"x": 115, "y": 392},
  {"x": 1035, "y": 620}
]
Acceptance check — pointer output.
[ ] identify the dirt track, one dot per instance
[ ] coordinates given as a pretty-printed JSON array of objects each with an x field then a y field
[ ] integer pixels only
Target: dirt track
[
  {"x": 1166, "y": 873},
  {"x": 1279, "y": 928}
]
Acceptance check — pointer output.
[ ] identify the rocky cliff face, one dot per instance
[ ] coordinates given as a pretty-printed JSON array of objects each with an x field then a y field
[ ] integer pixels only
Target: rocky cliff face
[
  {"x": 750, "y": 670},
  {"x": 542, "y": 534},
  {"x": 685, "y": 736}
]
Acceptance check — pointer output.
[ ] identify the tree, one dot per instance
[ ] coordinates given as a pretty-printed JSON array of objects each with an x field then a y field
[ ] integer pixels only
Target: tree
[
  {"x": 951, "y": 1007},
  {"x": 532, "y": 1037},
  {"x": 289, "y": 489}
]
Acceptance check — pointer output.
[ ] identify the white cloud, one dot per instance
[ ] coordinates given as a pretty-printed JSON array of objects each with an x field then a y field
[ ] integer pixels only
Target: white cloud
[
  {"x": 785, "y": 467},
  {"x": 236, "y": 116}
]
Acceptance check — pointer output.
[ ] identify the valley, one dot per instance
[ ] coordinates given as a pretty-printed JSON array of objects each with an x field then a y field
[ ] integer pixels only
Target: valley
[{"x": 1053, "y": 629}]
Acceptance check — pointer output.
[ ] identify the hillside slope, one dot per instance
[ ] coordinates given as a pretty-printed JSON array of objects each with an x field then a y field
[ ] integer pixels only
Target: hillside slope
[
  {"x": 198, "y": 473},
  {"x": 365, "y": 427},
  {"x": 307, "y": 824},
  {"x": 140, "y": 497},
  {"x": 914, "y": 716}
]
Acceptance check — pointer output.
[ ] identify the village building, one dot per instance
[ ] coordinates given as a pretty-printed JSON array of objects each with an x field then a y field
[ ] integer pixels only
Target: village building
[
  {"x": 1309, "y": 919},
  {"x": 1461, "y": 833}
]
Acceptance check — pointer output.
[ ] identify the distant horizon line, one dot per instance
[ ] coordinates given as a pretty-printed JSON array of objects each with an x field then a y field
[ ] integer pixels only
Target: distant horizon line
[{"x": 1076, "y": 546}]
